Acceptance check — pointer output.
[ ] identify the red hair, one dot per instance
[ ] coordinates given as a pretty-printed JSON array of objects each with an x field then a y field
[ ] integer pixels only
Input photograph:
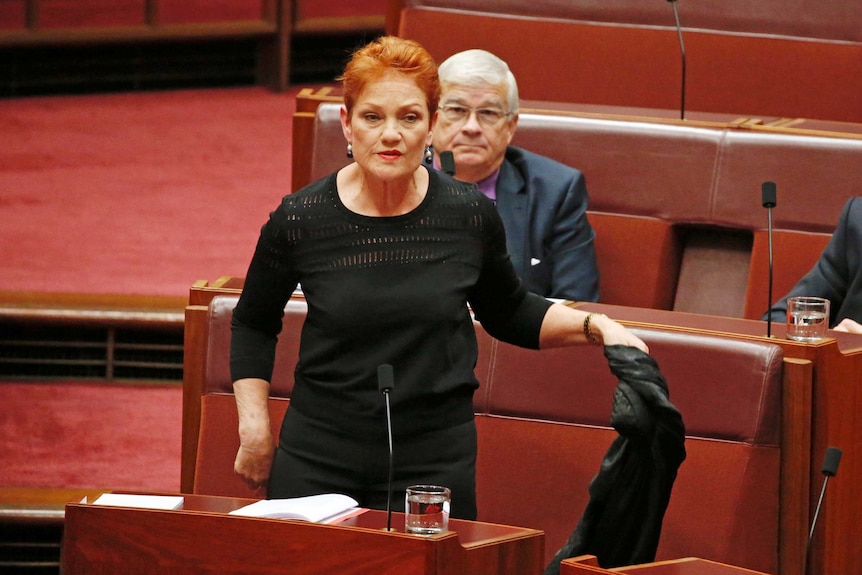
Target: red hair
[{"x": 385, "y": 54}]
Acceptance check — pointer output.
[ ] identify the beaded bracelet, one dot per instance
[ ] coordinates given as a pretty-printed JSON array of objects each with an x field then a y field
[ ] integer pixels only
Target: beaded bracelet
[{"x": 588, "y": 332}]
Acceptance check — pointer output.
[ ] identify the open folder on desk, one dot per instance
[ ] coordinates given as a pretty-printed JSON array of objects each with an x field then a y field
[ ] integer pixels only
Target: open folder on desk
[
  {"x": 140, "y": 501},
  {"x": 326, "y": 508}
]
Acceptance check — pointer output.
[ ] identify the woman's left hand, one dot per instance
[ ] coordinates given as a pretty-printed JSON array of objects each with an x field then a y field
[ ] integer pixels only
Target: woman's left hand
[{"x": 613, "y": 333}]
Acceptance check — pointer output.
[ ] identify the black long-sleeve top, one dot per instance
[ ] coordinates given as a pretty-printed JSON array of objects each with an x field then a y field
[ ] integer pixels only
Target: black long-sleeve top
[{"x": 383, "y": 290}]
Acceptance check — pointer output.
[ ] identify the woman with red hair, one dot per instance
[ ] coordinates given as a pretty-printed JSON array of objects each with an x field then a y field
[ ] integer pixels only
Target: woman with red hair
[{"x": 391, "y": 256}]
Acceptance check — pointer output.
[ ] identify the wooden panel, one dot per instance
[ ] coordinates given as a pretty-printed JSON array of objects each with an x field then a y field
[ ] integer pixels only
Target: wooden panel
[
  {"x": 199, "y": 11},
  {"x": 684, "y": 566},
  {"x": 835, "y": 20},
  {"x": 589, "y": 63},
  {"x": 640, "y": 65},
  {"x": 796, "y": 469},
  {"x": 12, "y": 15},
  {"x": 202, "y": 539},
  {"x": 328, "y": 16},
  {"x": 329, "y": 9},
  {"x": 25, "y": 23},
  {"x": 837, "y": 401},
  {"x": 54, "y": 14},
  {"x": 194, "y": 357}
]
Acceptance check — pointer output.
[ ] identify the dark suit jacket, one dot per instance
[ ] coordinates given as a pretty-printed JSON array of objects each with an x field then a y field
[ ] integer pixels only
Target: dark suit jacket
[
  {"x": 837, "y": 275},
  {"x": 543, "y": 205}
]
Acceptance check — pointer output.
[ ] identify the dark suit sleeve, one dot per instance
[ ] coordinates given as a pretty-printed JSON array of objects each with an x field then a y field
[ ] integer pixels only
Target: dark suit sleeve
[
  {"x": 831, "y": 276},
  {"x": 575, "y": 274}
]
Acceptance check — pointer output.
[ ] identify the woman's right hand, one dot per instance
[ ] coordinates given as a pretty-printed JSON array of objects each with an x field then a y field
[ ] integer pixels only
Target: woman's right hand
[
  {"x": 253, "y": 461},
  {"x": 253, "y": 464}
]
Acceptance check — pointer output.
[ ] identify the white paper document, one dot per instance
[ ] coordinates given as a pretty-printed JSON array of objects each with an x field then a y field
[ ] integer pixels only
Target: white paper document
[
  {"x": 142, "y": 501},
  {"x": 325, "y": 508}
]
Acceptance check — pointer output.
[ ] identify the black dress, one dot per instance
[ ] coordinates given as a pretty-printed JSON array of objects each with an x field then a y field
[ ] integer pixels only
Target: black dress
[{"x": 380, "y": 290}]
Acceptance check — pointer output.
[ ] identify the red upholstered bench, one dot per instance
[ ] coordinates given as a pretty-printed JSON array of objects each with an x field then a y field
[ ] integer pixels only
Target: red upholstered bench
[
  {"x": 767, "y": 58},
  {"x": 676, "y": 206},
  {"x": 543, "y": 430},
  {"x": 542, "y": 419}
]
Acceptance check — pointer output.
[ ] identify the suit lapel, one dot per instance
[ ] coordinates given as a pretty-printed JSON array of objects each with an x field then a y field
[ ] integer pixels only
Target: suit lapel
[{"x": 512, "y": 206}]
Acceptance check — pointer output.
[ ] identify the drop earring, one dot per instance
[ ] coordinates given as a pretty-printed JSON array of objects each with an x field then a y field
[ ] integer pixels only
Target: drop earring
[
  {"x": 349, "y": 150},
  {"x": 429, "y": 155}
]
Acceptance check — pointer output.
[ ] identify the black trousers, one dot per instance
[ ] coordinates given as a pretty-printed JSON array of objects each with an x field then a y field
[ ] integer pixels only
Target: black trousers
[{"x": 315, "y": 457}]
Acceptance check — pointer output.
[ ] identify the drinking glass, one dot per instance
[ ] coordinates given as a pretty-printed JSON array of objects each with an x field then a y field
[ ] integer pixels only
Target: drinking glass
[
  {"x": 807, "y": 318},
  {"x": 427, "y": 509}
]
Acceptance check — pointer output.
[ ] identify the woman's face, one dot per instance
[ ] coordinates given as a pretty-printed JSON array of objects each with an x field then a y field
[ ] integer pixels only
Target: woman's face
[{"x": 389, "y": 127}]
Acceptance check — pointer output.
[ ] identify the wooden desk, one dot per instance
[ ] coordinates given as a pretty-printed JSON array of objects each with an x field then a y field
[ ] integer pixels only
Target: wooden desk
[
  {"x": 686, "y": 566},
  {"x": 832, "y": 419},
  {"x": 202, "y": 538}
]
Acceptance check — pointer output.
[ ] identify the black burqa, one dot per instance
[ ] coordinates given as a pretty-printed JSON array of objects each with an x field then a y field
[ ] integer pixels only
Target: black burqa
[{"x": 621, "y": 524}]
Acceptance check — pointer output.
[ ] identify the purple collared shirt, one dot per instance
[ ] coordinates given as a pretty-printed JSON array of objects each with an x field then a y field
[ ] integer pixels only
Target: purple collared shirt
[{"x": 488, "y": 186}]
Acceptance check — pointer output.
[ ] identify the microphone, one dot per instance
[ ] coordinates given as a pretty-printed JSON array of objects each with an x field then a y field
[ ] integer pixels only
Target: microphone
[
  {"x": 768, "y": 197},
  {"x": 682, "y": 54},
  {"x": 386, "y": 383},
  {"x": 829, "y": 469},
  {"x": 447, "y": 162}
]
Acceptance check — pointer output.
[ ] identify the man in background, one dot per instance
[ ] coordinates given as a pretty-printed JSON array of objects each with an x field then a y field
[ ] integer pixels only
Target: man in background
[
  {"x": 542, "y": 202},
  {"x": 837, "y": 275}
]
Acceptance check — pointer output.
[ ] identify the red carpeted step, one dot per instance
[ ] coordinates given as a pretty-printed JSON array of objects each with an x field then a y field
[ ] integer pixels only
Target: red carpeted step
[{"x": 90, "y": 435}]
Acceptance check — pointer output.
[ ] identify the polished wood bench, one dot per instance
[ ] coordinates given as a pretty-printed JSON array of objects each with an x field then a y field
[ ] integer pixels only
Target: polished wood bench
[{"x": 542, "y": 420}]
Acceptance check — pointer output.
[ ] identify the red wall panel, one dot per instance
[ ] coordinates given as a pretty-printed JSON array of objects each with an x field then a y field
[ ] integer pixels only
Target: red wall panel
[
  {"x": 199, "y": 11},
  {"x": 90, "y": 13},
  {"x": 313, "y": 9},
  {"x": 11, "y": 15}
]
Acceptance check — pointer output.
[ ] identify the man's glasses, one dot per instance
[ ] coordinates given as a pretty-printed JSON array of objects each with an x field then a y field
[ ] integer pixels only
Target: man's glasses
[{"x": 485, "y": 116}]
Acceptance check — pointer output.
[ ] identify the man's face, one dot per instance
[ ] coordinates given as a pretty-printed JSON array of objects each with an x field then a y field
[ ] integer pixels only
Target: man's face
[{"x": 475, "y": 125}]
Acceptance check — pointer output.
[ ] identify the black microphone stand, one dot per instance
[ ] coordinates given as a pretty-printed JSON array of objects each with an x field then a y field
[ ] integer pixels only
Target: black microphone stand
[
  {"x": 447, "y": 162},
  {"x": 386, "y": 381},
  {"x": 768, "y": 196},
  {"x": 829, "y": 469},
  {"x": 682, "y": 55}
]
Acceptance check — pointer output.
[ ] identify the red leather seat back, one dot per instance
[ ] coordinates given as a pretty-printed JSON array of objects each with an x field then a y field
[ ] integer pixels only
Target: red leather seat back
[
  {"x": 547, "y": 429},
  {"x": 217, "y": 369}
]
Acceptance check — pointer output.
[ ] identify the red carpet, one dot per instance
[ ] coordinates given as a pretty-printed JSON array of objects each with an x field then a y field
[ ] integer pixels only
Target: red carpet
[
  {"x": 81, "y": 435},
  {"x": 132, "y": 195},
  {"x": 141, "y": 193}
]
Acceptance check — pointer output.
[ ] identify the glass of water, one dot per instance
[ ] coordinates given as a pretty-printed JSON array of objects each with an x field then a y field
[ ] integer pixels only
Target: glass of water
[
  {"x": 427, "y": 509},
  {"x": 807, "y": 318}
]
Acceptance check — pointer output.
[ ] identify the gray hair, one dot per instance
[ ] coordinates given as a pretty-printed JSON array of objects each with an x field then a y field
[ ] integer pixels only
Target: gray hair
[{"x": 479, "y": 68}]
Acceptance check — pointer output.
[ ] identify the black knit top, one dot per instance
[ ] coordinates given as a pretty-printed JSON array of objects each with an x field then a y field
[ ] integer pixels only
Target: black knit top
[{"x": 383, "y": 290}]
